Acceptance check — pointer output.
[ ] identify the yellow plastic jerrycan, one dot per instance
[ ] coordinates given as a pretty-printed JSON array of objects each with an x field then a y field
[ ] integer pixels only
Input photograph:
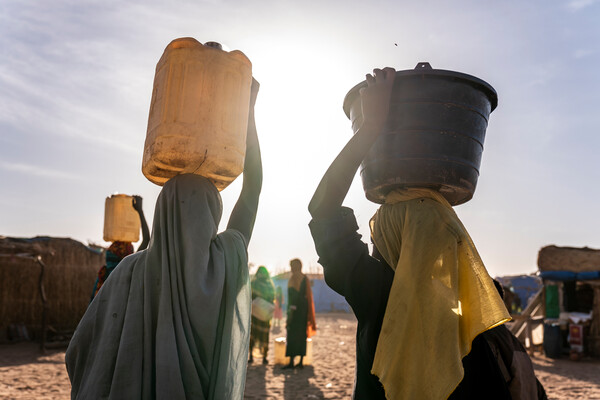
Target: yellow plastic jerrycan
[
  {"x": 198, "y": 113},
  {"x": 121, "y": 221}
]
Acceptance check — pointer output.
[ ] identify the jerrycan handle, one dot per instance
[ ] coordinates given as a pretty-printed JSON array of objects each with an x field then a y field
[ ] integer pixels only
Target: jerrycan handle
[{"x": 423, "y": 65}]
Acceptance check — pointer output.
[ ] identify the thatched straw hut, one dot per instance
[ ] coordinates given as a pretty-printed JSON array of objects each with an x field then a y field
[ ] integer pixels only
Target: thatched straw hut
[{"x": 60, "y": 282}]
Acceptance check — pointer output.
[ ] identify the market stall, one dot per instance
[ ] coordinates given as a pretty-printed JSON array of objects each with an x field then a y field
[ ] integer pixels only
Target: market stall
[{"x": 571, "y": 294}]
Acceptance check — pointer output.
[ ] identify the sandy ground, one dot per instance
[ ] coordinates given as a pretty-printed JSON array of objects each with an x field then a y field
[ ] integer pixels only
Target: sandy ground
[{"x": 25, "y": 373}]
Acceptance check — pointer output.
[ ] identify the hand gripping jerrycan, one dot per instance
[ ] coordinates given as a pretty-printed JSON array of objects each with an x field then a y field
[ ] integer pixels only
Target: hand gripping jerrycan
[
  {"x": 198, "y": 114},
  {"x": 121, "y": 221}
]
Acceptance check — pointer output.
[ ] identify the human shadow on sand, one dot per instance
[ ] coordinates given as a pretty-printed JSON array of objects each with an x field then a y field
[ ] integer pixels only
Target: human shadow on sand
[
  {"x": 586, "y": 370},
  {"x": 257, "y": 374},
  {"x": 27, "y": 353},
  {"x": 297, "y": 384}
]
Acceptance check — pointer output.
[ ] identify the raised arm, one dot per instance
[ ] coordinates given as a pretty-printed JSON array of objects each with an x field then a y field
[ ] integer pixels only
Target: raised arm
[
  {"x": 137, "y": 205},
  {"x": 337, "y": 180},
  {"x": 244, "y": 213}
]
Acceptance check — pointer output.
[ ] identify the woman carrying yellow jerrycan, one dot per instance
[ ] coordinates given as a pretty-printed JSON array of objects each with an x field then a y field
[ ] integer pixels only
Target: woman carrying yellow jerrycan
[{"x": 173, "y": 321}]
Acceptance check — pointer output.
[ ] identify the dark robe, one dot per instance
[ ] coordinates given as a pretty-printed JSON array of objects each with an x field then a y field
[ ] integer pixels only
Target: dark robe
[
  {"x": 297, "y": 320},
  {"x": 495, "y": 368}
]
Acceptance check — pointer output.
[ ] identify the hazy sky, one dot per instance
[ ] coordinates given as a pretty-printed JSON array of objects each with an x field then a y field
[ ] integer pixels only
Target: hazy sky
[{"x": 76, "y": 80}]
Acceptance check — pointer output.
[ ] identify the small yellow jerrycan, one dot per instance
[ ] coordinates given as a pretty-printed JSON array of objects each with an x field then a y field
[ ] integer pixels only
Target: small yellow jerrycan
[
  {"x": 198, "y": 113},
  {"x": 121, "y": 221}
]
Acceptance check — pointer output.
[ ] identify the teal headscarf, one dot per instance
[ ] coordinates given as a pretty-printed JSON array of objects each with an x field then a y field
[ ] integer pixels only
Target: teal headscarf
[{"x": 262, "y": 285}]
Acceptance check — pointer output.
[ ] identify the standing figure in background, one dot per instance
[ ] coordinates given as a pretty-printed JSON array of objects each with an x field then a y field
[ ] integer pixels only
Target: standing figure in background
[
  {"x": 263, "y": 296},
  {"x": 278, "y": 312},
  {"x": 119, "y": 250},
  {"x": 301, "y": 322}
]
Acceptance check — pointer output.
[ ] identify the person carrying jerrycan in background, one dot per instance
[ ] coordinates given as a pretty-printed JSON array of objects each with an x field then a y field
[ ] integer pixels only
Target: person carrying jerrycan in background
[
  {"x": 423, "y": 297},
  {"x": 263, "y": 298},
  {"x": 118, "y": 250},
  {"x": 173, "y": 321}
]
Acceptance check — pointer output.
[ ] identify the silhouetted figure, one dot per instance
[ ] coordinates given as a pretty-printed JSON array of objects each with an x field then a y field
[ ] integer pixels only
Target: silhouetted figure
[
  {"x": 278, "y": 312},
  {"x": 300, "y": 314},
  {"x": 415, "y": 321}
]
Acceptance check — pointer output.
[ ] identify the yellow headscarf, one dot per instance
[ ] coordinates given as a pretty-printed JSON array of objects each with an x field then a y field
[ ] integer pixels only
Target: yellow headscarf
[{"x": 441, "y": 298}]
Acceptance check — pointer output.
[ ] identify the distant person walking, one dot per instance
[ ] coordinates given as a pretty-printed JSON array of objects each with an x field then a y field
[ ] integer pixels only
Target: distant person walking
[
  {"x": 263, "y": 297},
  {"x": 278, "y": 312},
  {"x": 118, "y": 250},
  {"x": 173, "y": 321},
  {"x": 301, "y": 322}
]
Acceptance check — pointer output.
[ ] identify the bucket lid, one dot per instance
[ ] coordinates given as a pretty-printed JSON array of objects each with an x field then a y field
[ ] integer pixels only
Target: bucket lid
[{"x": 424, "y": 69}]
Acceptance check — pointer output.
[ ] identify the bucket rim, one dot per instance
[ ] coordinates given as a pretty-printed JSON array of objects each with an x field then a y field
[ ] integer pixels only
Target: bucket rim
[{"x": 441, "y": 73}]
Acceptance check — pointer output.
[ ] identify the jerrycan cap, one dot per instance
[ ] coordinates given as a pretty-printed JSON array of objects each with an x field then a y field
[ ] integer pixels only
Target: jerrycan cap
[
  {"x": 215, "y": 45},
  {"x": 190, "y": 42}
]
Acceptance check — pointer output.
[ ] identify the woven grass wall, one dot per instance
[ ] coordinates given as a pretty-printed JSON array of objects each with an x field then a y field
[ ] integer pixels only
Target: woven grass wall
[{"x": 68, "y": 279}]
